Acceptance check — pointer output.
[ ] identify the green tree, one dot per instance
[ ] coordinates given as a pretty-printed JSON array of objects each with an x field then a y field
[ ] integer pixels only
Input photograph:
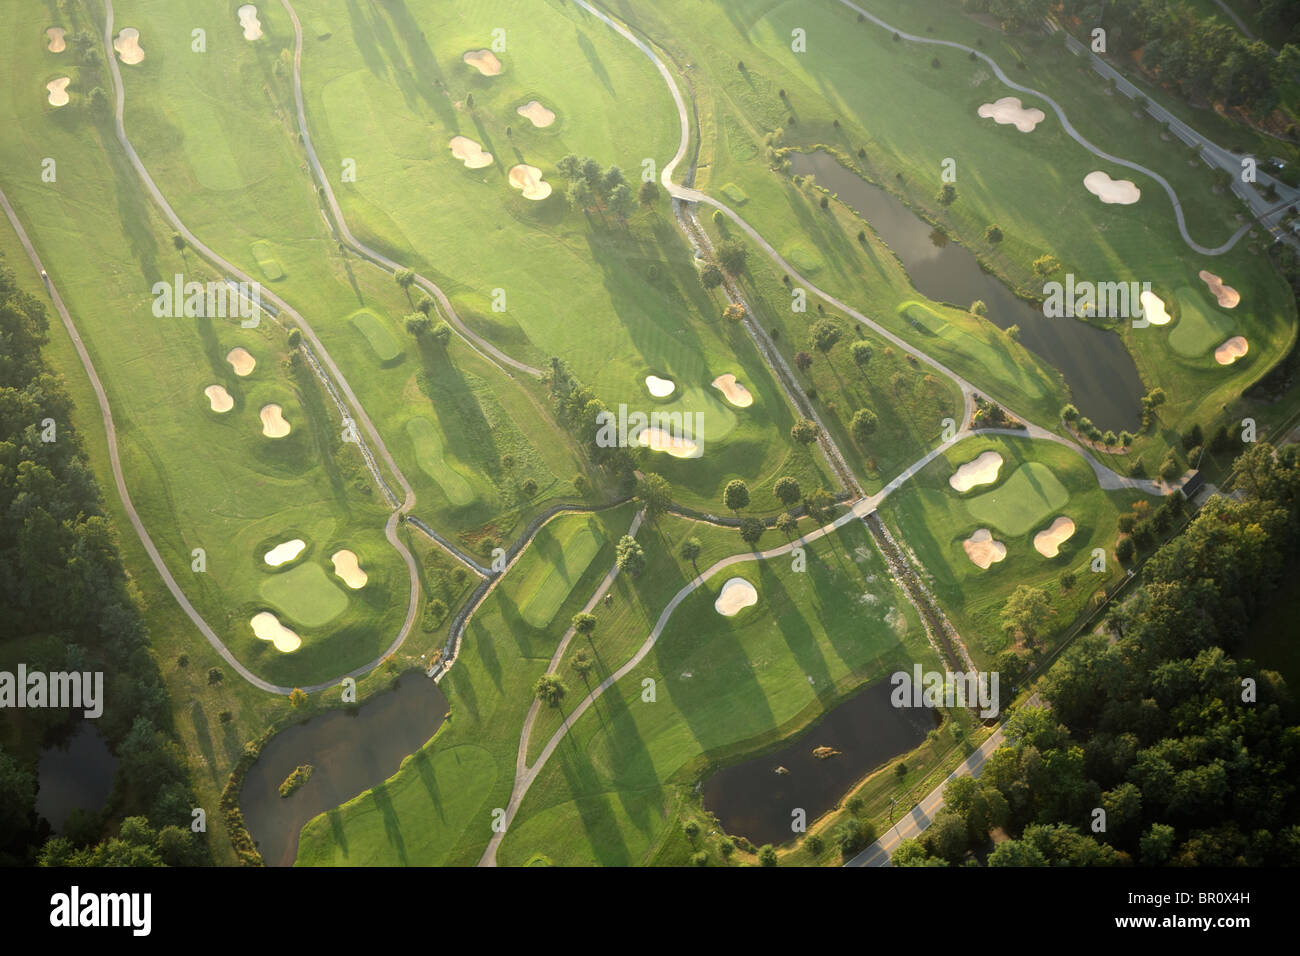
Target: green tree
[
  {"x": 418, "y": 325},
  {"x": 736, "y": 495},
  {"x": 711, "y": 276},
  {"x": 787, "y": 490},
  {"x": 630, "y": 556},
  {"x": 584, "y": 623},
  {"x": 441, "y": 334},
  {"x": 805, "y": 431},
  {"x": 550, "y": 690},
  {"x": 861, "y": 353},
  {"x": 655, "y": 495},
  {"x": 648, "y": 193},
  {"x": 1025, "y": 613},
  {"x": 690, "y": 550},
  {"x": 947, "y": 195},
  {"x": 751, "y": 529},
  {"x": 993, "y": 234},
  {"x": 1045, "y": 265},
  {"x": 732, "y": 255},
  {"x": 863, "y": 425},
  {"x": 767, "y": 855},
  {"x": 825, "y": 334},
  {"x": 405, "y": 278},
  {"x": 787, "y": 524}
]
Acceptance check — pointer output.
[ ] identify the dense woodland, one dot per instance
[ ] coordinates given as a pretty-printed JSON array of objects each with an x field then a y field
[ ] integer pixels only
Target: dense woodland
[
  {"x": 1193, "y": 754},
  {"x": 66, "y": 604}
]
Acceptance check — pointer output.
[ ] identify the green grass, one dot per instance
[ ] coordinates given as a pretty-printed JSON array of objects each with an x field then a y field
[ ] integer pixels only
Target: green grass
[
  {"x": 380, "y": 340},
  {"x": 1024, "y": 500},
  {"x": 266, "y": 260},
  {"x": 998, "y": 361},
  {"x": 549, "y": 584},
  {"x": 1200, "y": 327},
  {"x": 734, "y": 194},
  {"x": 305, "y": 594},
  {"x": 436, "y": 463}
]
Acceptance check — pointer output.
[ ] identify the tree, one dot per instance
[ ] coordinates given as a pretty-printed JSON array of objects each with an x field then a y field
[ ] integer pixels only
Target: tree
[
  {"x": 767, "y": 855},
  {"x": 853, "y": 836},
  {"x": 581, "y": 195},
  {"x": 215, "y": 676},
  {"x": 787, "y": 524},
  {"x": 711, "y": 276},
  {"x": 861, "y": 353},
  {"x": 178, "y": 243},
  {"x": 805, "y": 431},
  {"x": 1013, "y": 332},
  {"x": 736, "y": 495},
  {"x": 825, "y": 334},
  {"x": 297, "y": 698},
  {"x": 550, "y": 690},
  {"x": 405, "y": 278},
  {"x": 993, "y": 234},
  {"x": 630, "y": 556},
  {"x": 584, "y": 624},
  {"x": 1069, "y": 414},
  {"x": 690, "y": 550},
  {"x": 441, "y": 334},
  {"x": 582, "y": 665},
  {"x": 787, "y": 490},
  {"x": 621, "y": 202},
  {"x": 734, "y": 313},
  {"x": 1045, "y": 265},
  {"x": 751, "y": 529},
  {"x": 418, "y": 325},
  {"x": 947, "y": 836},
  {"x": 570, "y": 167},
  {"x": 295, "y": 338},
  {"x": 648, "y": 193},
  {"x": 863, "y": 425},
  {"x": 732, "y": 255},
  {"x": 947, "y": 195},
  {"x": 655, "y": 495},
  {"x": 424, "y": 305},
  {"x": 1025, "y": 613},
  {"x": 802, "y": 361},
  {"x": 979, "y": 308},
  {"x": 819, "y": 505},
  {"x": 1016, "y": 853}
]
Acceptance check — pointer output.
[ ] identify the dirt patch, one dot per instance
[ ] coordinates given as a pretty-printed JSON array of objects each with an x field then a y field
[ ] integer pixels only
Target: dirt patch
[
  {"x": 273, "y": 423},
  {"x": 469, "y": 152},
  {"x": 537, "y": 114},
  {"x": 1113, "y": 192},
  {"x": 268, "y": 627},
  {"x": 58, "y": 91},
  {"x": 1048, "y": 542},
  {"x": 127, "y": 45},
  {"x": 982, "y": 471},
  {"x": 348, "y": 568},
  {"x": 57, "y": 43},
  {"x": 734, "y": 392},
  {"x": 485, "y": 61},
  {"x": 242, "y": 362},
  {"x": 736, "y": 595},
  {"x": 983, "y": 550},
  {"x": 219, "y": 398},
  {"x": 529, "y": 179},
  {"x": 1228, "y": 297},
  {"x": 1009, "y": 112},
  {"x": 1231, "y": 350}
]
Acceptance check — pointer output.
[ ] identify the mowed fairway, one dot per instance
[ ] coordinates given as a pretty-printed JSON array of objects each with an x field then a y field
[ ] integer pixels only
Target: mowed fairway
[
  {"x": 566, "y": 553},
  {"x": 725, "y": 687},
  {"x": 436, "y": 463}
]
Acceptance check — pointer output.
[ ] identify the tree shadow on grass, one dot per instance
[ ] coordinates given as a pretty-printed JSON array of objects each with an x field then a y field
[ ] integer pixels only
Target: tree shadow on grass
[
  {"x": 203, "y": 735},
  {"x": 424, "y": 766},
  {"x": 321, "y": 427},
  {"x": 392, "y": 826},
  {"x": 795, "y": 630},
  {"x": 337, "y": 831},
  {"x": 422, "y": 62},
  {"x": 593, "y": 59}
]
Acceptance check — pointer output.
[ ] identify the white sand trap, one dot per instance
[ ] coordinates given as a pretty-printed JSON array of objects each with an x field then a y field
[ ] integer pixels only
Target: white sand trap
[
  {"x": 537, "y": 114},
  {"x": 273, "y": 423},
  {"x": 1231, "y": 350},
  {"x": 348, "y": 568},
  {"x": 58, "y": 91},
  {"x": 982, "y": 471},
  {"x": 735, "y": 393},
  {"x": 1228, "y": 296},
  {"x": 127, "y": 46},
  {"x": 485, "y": 61},
  {"x": 241, "y": 361},
  {"x": 1008, "y": 111},
  {"x": 1113, "y": 192},
  {"x": 660, "y": 387},
  {"x": 268, "y": 627},
  {"x": 656, "y": 439},
  {"x": 736, "y": 595},
  {"x": 983, "y": 550},
  {"x": 529, "y": 179},
  {"x": 469, "y": 152},
  {"x": 248, "y": 20},
  {"x": 57, "y": 44},
  {"x": 284, "y": 552},
  {"x": 1153, "y": 308},
  {"x": 219, "y": 398},
  {"x": 1048, "y": 543}
]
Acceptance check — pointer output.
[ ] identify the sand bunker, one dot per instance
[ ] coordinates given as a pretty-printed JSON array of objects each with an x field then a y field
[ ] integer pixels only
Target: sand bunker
[
  {"x": 127, "y": 45},
  {"x": 485, "y": 61},
  {"x": 348, "y": 568},
  {"x": 219, "y": 398},
  {"x": 1048, "y": 543},
  {"x": 273, "y": 423},
  {"x": 285, "y": 552},
  {"x": 1008, "y": 111},
  {"x": 1228, "y": 296},
  {"x": 57, "y": 44},
  {"x": 469, "y": 152},
  {"x": 983, "y": 550},
  {"x": 1231, "y": 350},
  {"x": 1153, "y": 308},
  {"x": 656, "y": 439},
  {"x": 736, "y": 595},
  {"x": 1120, "y": 192},
  {"x": 536, "y": 113},
  {"x": 529, "y": 179},
  {"x": 58, "y": 91},
  {"x": 735, "y": 393},
  {"x": 268, "y": 627},
  {"x": 659, "y": 387},
  {"x": 248, "y": 20},
  {"x": 241, "y": 361},
  {"x": 982, "y": 471}
]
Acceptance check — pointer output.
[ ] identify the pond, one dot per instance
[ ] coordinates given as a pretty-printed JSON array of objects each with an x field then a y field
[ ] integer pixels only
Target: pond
[
  {"x": 351, "y": 750},
  {"x": 753, "y": 800},
  {"x": 76, "y": 774},
  {"x": 1102, "y": 377}
]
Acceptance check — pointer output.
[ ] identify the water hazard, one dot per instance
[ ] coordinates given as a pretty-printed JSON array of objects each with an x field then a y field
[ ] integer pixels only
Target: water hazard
[
  {"x": 1102, "y": 377},
  {"x": 74, "y": 775},
  {"x": 351, "y": 751}
]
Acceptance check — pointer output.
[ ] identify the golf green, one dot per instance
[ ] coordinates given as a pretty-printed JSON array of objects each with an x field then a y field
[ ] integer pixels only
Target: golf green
[
  {"x": 381, "y": 341},
  {"x": 266, "y": 260},
  {"x": 305, "y": 594},
  {"x": 1022, "y": 501},
  {"x": 547, "y": 585},
  {"x": 1199, "y": 327},
  {"x": 436, "y": 463}
]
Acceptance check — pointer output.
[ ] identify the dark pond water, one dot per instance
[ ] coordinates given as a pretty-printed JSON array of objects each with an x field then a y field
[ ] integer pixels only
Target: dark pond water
[
  {"x": 78, "y": 774},
  {"x": 1103, "y": 380},
  {"x": 351, "y": 752},
  {"x": 752, "y": 800}
]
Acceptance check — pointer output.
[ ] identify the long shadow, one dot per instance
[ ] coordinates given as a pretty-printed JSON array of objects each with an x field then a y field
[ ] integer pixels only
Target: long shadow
[
  {"x": 363, "y": 36},
  {"x": 321, "y": 427},
  {"x": 132, "y": 211},
  {"x": 592, "y": 804},
  {"x": 422, "y": 62},
  {"x": 392, "y": 826},
  {"x": 488, "y": 653},
  {"x": 424, "y": 766},
  {"x": 337, "y": 830},
  {"x": 466, "y": 430},
  {"x": 795, "y": 630},
  {"x": 462, "y": 685},
  {"x": 593, "y": 58},
  {"x": 631, "y": 765},
  {"x": 203, "y": 734}
]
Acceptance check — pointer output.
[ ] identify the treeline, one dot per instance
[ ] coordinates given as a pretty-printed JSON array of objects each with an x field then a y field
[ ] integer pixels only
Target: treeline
[
  {"x": 65, "y": 597},
  {"x": 1159, "y": 747},
  {"x": 577, "y": 408}
]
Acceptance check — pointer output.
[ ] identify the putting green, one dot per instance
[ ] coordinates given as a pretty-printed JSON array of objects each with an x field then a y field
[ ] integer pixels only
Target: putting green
[
  {"x": 436, "y": 463},
  {"x": 997, "y": 361},
  {"x": 735, "y": 195},
  {"x": 1022, "y": 502},
  {"x": 382, "y": 342},
  {"x": 802, "y": 258},
  {"x": 1199, "y": 327},
  {"x": 266, "y": 260},
  {"x": 549, "y": 583},
  {"x": 305, "y": 594}
]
